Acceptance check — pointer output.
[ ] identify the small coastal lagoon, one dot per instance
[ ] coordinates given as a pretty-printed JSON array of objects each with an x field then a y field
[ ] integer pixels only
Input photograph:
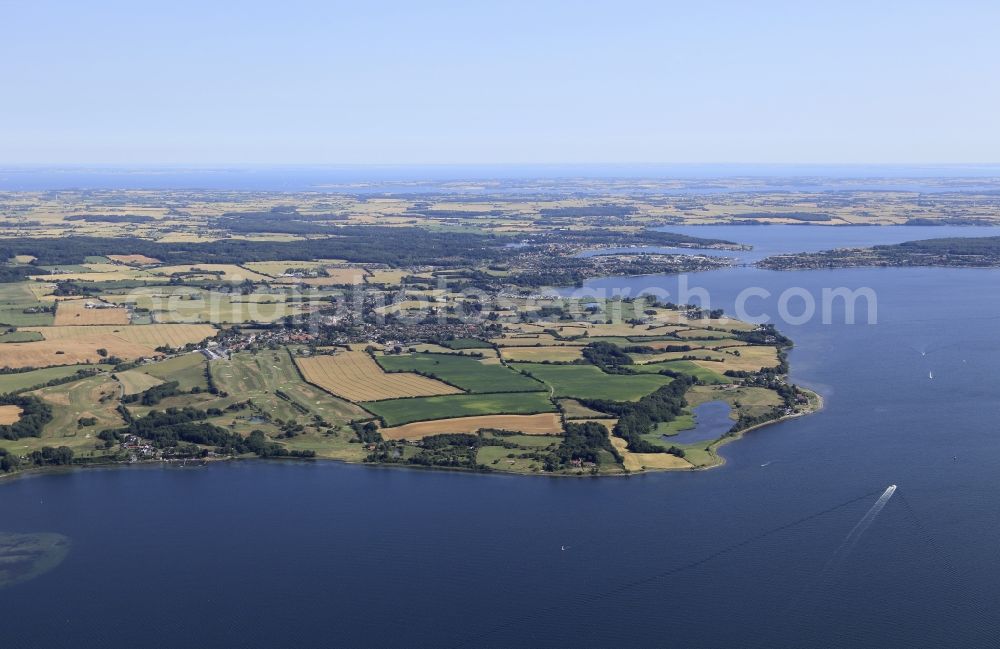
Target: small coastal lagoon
[{"x": 711, "y": 421}]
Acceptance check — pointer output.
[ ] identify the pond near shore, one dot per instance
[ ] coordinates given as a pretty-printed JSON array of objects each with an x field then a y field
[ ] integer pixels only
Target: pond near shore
[{"x": 711, "y": 421}]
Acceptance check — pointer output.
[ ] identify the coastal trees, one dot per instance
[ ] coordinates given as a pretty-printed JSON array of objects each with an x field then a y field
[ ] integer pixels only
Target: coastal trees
[
  {"x": 49, "y": 456},
  {"x": 45, "y": 456},
  {"x": 637, "y": 418},
  {"x": 35, "y": 413},
  {"x": 582, "y": 442},
  {"x": 176, "y": 427},
  {"x": 608, "y": 357},
  {"x": 8, "y": 461}
]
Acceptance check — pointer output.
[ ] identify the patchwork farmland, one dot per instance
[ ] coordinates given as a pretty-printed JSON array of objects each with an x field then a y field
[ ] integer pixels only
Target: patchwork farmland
[
  {"x": 396, "y": 412},
  {"x": 334, "y": 340},
  {"x": 355, "y": 376}
]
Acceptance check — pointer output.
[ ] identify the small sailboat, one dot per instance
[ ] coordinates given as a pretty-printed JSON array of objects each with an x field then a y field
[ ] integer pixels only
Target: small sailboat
[{"x": 930, "y": 375}]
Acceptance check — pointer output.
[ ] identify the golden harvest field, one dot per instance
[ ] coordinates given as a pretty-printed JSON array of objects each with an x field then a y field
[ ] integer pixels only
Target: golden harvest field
[
  {"x": 91, "y": 276},
  {"x": 153, "y": 335},
  {"x": 9, "y": 415},
  {"x": 745, "y": 359},
  {"x": 71, "y": 351},
  {"x": 76, "y": 312},
  {"x": 647, "y": 461},
  {"x": 355, "y": 376},
  {"x": 546, "y": 423}
]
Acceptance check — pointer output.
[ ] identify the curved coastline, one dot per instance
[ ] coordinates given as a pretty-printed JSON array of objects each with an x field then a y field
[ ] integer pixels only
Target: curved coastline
[
  {"x": 814, "y": 397},
  {"x": 817, "y": 404}
]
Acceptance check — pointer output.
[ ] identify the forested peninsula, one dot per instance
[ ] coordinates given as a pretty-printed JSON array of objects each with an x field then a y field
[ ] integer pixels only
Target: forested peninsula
[{"x": 959, "y": 252}]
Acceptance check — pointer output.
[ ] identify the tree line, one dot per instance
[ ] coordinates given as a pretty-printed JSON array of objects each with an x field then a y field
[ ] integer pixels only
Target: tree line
[
  {"x": 46, "y": 456},
  {"x": 371, "y": 244},
  {"x": 638, "y": 418},
  {"x": 35, "y": 413},
  {"x": 176, "y": 426}
]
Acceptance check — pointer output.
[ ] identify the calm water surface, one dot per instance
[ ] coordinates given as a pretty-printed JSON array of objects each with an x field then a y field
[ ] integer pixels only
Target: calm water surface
[
  {"x": 711, "y": 421},
  {"x": 778, "y": 239},
  {"x": 259, "y": 554}
]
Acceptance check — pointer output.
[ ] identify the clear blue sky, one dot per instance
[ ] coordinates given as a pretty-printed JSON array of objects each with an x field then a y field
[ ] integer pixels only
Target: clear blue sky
[{"x": 288, "y": 81}]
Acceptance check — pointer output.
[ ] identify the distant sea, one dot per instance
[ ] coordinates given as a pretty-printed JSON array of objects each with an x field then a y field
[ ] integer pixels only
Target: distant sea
[{"x": 369, "y": 179}]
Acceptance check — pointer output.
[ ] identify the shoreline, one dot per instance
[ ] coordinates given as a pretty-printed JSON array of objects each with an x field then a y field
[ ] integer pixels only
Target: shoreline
[
  {"x": 727, "y": 439},
  {"x": 718, "y": 443},
  {"x": 712, "y": 448}
]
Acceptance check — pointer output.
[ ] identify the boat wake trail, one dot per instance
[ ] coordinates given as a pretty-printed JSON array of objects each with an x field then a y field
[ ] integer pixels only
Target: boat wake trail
[
  {"x": 839, "y": 555},
  {"x": 852, "y": 538},
  {"x": 590, "y": 598},
  {"x": 866, "y": 521}
]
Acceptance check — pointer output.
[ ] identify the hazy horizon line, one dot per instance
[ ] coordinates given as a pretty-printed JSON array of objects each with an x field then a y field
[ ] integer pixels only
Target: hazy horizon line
[{"x": 192, "y": 165}]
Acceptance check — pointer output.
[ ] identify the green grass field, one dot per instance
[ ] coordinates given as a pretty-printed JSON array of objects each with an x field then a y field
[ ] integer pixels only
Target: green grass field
[
  {"x": 260, "y": 376},
  {"x": 188, "y": 370},
  {"x": 575, "y": 410},
  {"x": 333, "y": 446},
  {"x": 684, "y": 367},
  {"x": 134, "y": 382},
  {"x": 67, "y": 268},
  {"x": 499, "y": 458},
  {"x": 496, "y": 457},
  {"x": 270, "y": 381},
  {"x": 698, "y": 456},
  {"x": 752, "y": 401},
  {"x": 466, "y": 343},
  {"x": 622, "y": 341},
  {"x": 703, "y": 334},
  {"x": 682, "y": 422},
  {"x": 534, "y": 441},
  {"x": 22, "y": 380},
  {"x": 20, "y": 337},
  {"x": 402, "y": 411},
  {"x": 465, "y": 372},
  {"x": 589, "y": 382},
  {"x": 14, "y": 299},
  {"x": 91, "y": 397}
]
